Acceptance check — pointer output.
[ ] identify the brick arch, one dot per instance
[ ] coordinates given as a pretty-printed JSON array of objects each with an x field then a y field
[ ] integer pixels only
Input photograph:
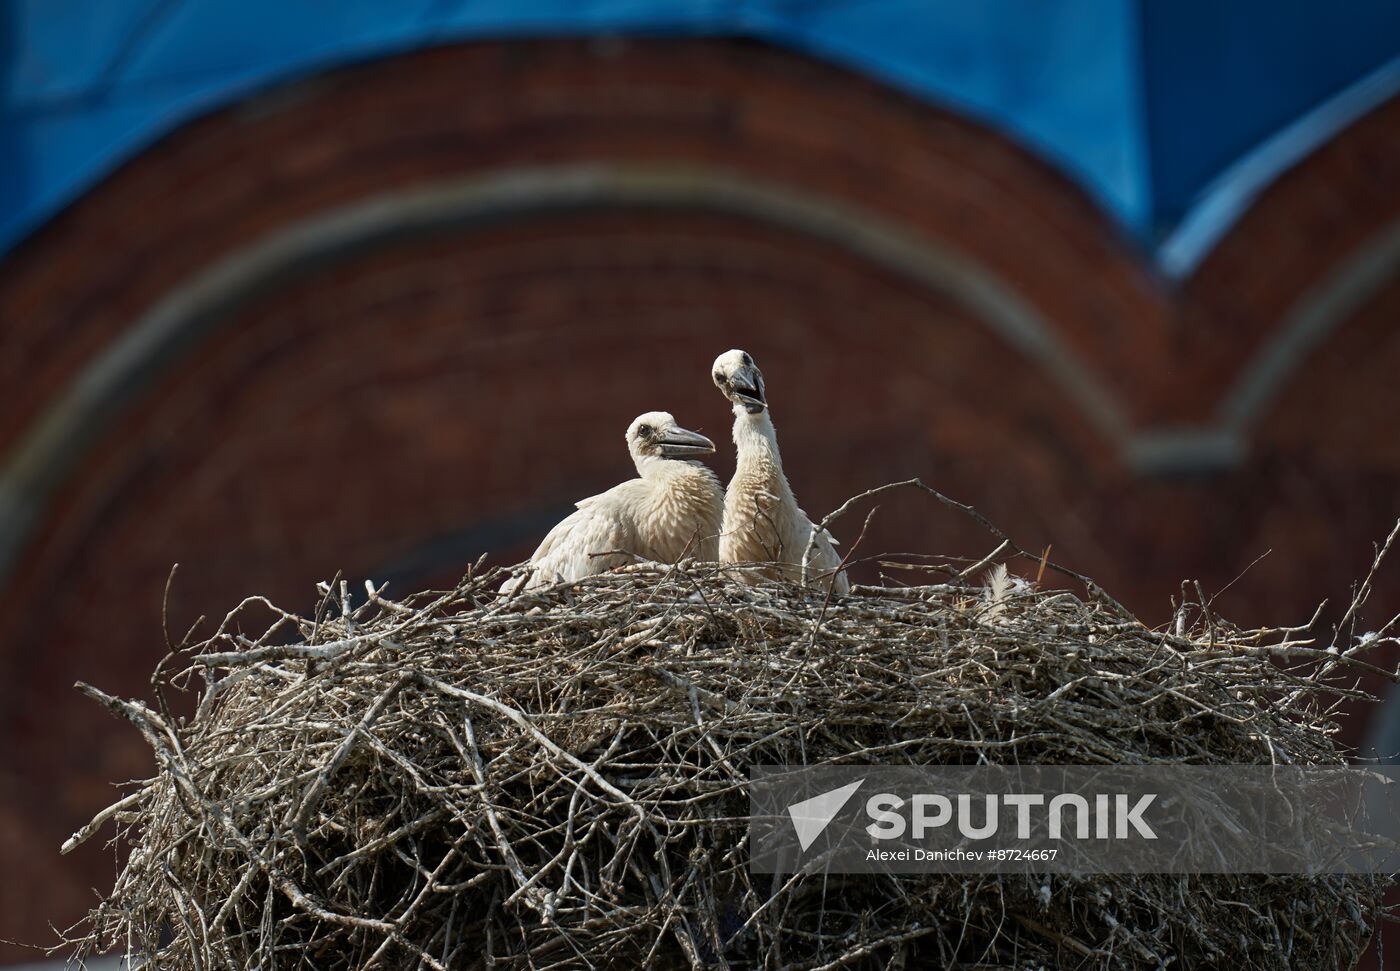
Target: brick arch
[
  {"x": 379, "y": 410},
  {"x": 41, "y": 459},
  {"x": 1309, "y": 324},
  {"x": 1316, "y": 246},
  {"x": 431, "y": 116}
]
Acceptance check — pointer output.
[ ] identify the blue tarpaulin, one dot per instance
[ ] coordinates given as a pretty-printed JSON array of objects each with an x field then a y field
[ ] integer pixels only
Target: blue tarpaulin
[{"x": 1144, "y": 102}]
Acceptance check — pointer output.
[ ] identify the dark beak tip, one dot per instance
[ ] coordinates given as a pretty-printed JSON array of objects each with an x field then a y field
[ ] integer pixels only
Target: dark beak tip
[{"x": 686, "y": 443}]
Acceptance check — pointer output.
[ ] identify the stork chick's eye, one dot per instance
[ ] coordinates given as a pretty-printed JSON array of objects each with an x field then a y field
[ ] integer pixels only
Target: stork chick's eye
[
  {"x": 748, "y": 361},
  {"x": 719, "y": 377},
  {"x": 644, "y": 431}
]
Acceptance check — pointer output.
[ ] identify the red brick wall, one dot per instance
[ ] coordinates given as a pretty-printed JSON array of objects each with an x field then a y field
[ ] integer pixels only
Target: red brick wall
[
  {"x": 1309, "y": 223},
  {"x": 394, "y": 411}
]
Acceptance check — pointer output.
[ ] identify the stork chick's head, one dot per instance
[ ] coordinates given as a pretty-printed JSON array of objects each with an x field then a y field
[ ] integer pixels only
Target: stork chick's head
[
  {"x": 736, "y": 374},
  {"x": 656, "y": 435}
]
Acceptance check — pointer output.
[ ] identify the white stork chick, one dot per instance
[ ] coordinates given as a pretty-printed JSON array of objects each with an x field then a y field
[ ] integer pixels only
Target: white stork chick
[
  {"x": 762, "y": 521},
  {"x": 674, "y": 509}
]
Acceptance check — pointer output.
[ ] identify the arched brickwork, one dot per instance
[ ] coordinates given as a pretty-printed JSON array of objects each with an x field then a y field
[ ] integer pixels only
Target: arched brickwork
[
  {"x": 249, "y": 170},
  {"x": 1299, "y": 238}
]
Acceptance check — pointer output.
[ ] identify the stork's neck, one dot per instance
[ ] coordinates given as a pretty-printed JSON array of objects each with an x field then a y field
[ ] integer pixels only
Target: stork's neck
[
  {"x": 680, "y": 489},
  {"x": 755, "y": 437},
  {"x": 655, "y": 469}
]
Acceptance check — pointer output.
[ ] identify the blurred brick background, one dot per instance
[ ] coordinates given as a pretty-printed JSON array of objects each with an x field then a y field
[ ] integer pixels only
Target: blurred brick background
[{"x": 399, "y": 408}]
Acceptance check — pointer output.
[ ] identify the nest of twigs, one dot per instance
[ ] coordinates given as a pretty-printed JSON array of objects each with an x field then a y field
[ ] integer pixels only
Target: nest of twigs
[{"x": 557, "y": 780}]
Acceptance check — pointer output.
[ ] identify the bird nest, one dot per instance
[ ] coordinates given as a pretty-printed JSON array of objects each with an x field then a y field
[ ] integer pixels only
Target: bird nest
[{"x": 558, "y": 780}]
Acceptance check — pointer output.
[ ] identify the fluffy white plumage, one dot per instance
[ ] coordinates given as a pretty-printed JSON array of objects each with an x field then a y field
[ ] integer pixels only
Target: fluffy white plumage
[
  {"x": 673, "y": 509},
  {"x": 762, "y": 520}
]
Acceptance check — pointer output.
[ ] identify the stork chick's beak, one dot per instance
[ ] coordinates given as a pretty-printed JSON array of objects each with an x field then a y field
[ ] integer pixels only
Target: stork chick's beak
[
  {"x": 745, "y": 387},
  {"x": 679, "y": 443}
]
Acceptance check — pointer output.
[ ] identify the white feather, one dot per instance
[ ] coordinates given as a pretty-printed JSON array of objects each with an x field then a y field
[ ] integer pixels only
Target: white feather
[{"x": 998, "y": 589}]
